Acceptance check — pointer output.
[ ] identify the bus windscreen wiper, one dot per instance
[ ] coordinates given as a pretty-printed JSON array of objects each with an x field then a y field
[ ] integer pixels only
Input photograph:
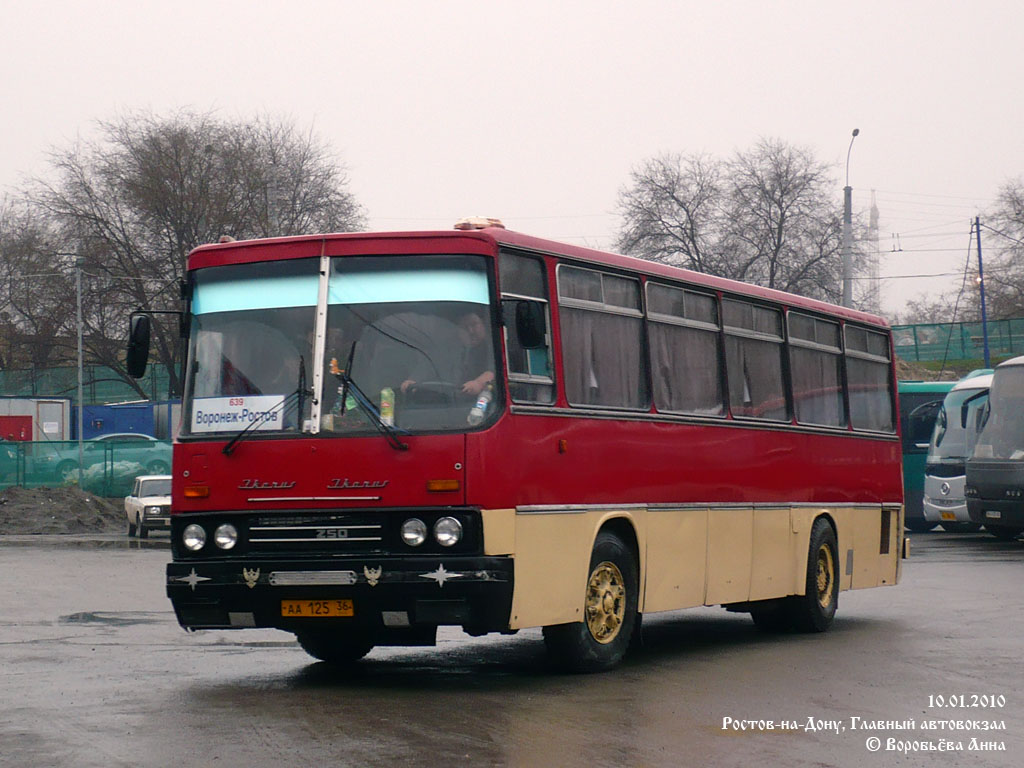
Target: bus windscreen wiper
[
  {"x": 349, "y": 387},
  {"x": 301, "y": 392}
]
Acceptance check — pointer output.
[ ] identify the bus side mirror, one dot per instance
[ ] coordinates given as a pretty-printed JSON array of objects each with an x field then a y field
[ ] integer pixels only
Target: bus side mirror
[
  {"x": 530, "y": 326},
  {"x": 138, "y": 346}
]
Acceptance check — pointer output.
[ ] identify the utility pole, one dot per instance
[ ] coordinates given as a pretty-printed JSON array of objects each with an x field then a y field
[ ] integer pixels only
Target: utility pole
[
  {"x": 848, "y": 230},
  {"x": 78, "y": 303},
  {"x": 981, "y": 284}
]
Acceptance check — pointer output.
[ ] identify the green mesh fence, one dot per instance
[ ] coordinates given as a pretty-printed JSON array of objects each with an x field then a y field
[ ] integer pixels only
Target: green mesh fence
[
  {"x": 108, "y": 467},
  {"x": 99, "y": 384},
  {"x": 958, "y": 341}
]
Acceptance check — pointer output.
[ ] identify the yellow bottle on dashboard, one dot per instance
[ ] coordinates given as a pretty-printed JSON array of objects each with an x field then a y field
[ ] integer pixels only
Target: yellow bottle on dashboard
[{"x": 387, "y": 406}]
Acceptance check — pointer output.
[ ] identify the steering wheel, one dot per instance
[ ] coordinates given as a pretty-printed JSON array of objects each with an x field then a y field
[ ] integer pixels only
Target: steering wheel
[{"x": 444, "y": 391}]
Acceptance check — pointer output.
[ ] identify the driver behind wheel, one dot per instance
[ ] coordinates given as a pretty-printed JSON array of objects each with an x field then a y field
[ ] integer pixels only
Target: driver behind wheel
[{"x": 475, "y": 370}]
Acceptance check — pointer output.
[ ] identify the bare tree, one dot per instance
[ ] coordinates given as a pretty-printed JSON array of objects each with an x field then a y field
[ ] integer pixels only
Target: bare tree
[
  {"x": 784, "y": 228},
  {"x": 34, "y": 287},
  {"x": 672, "y": 210},
  {"x": 766, "y": 216},
  {"x": 1004, "y": 266},
  {"x": 927, "y": 309},
  {"x": 134, "y": 202}
]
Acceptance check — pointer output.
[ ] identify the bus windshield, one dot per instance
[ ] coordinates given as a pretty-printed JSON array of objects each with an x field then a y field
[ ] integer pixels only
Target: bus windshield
[
  {"x": 414, "y": 336},
  {"x": 952, "y": 442},
  {"x": 408, "y": 336},
  {"x": 1003, "y": 433}
]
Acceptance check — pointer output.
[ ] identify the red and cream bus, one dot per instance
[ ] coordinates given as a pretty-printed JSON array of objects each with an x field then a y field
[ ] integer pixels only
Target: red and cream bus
[{"x": 385, "y": 433}]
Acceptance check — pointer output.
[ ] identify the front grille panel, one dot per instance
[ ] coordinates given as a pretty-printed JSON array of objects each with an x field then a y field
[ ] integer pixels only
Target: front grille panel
[
  {"x": 325, "y": 533},
  {"x": 329, "y": 533}
]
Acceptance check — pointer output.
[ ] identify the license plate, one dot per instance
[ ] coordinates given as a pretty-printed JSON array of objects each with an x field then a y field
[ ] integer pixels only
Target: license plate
[
  {"x": 948, "y": 516},
  {"x": 317, "y": 608},
  {"x": 993, "y": 514}
]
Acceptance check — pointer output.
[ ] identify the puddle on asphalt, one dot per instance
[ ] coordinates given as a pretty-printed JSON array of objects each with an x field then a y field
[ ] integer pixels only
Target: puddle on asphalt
[
  {"x": 118, "y": 619},
  {"x": 85, "y": 541}
]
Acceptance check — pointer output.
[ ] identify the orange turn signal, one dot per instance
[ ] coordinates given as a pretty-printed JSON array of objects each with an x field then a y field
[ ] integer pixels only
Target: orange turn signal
[
  {"x": 439, "y": 486},
  {"x": 196, "y": 491}
]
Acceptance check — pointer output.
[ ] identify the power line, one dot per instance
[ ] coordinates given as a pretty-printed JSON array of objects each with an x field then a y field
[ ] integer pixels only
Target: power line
[
  {"x": 1003, "y": 234},
  {"x": 956, "y": 304}
]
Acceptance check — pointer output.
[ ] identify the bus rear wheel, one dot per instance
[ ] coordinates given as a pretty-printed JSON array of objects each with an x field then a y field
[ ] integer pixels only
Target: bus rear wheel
[
  {"x": 813, "y": 611},
  {"x": 335, "y": 647},
  {"x": 600, "y": 641}
]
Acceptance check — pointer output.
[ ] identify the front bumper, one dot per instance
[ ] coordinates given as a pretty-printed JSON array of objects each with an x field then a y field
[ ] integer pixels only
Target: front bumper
[
  {"x": 946, "y": 510},
  {"x": 944, "y": 500},
  {"x": 161, "y": 520},
  {"x": 387, "y": 592},
  {"x": 1006, "y": 513}
]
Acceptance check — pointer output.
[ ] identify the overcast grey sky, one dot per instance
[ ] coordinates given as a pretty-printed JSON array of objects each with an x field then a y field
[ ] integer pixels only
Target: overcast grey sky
[{"x": 535, "y": 111}]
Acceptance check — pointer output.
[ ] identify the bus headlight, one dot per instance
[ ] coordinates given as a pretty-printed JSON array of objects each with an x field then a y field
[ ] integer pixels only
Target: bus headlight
[
  {"x": 193, "y": 537},
  {"x": 226, "y": 536},
  {"x": 414, "y": 532},
  {"x": 448, "y": 531}
]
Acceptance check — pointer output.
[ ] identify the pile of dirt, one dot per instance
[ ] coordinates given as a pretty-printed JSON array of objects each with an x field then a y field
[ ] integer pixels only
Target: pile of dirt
[{"x": 58, "y": 510}]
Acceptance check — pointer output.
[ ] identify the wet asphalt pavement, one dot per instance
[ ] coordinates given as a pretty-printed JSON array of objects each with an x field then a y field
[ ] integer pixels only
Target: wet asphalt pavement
[{"x": 96, "y": 672}]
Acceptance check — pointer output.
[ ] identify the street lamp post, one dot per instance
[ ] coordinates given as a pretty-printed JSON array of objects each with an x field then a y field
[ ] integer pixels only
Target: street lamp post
[
  {"x": 77, "y": 262},
  {"x": 848, "y": 230}
]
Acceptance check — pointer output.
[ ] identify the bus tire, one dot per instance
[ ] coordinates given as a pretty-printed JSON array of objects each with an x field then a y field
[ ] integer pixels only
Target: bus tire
[
  {"x": 335, "y": 647},
  {"x": 961, "y": 527},
  {"x": 813, "y": 611},
  {"x": 1004, "y": 532},
  {"x": 600, "y": 641},
  {"x": 919, "y": 525}
]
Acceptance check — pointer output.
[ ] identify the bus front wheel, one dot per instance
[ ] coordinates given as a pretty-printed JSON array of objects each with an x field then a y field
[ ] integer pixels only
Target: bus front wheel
[
  {"x": 1004, "y": 532},
  {"x": 600, "y": 641},
  {"x": 335, "y": 647},
  {"x": 813, "y": 611}
]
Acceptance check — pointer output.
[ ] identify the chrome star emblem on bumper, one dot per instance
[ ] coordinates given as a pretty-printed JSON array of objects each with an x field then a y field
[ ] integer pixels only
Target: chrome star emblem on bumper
[
  {"x": 192, "y": 579},
  {"x": 441, "y": 575}
]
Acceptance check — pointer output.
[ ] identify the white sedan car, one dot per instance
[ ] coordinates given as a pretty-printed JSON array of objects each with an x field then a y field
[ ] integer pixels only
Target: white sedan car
[{"x": 149, "y": 505}]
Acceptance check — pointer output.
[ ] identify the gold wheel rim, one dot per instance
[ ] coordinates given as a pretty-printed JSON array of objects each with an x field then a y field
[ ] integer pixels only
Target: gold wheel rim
[
  {"x": 826, "y": 580},
  {"x": 606, "y": 602}
]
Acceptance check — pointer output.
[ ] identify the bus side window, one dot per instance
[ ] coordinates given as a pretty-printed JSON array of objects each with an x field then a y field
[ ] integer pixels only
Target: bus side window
[
  {"x": 868, "y": 372},
  {"x": 685, "y": 355},
  {"x": 753, "y": 358},
  {"x": 530, "y": 372},
  {"x": 603, "y": 350}
]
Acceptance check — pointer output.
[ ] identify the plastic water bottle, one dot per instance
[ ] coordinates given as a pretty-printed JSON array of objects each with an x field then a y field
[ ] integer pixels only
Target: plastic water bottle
[
  {"x": 387, "y": 406},
  {"x": 483, "y": 402}
]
